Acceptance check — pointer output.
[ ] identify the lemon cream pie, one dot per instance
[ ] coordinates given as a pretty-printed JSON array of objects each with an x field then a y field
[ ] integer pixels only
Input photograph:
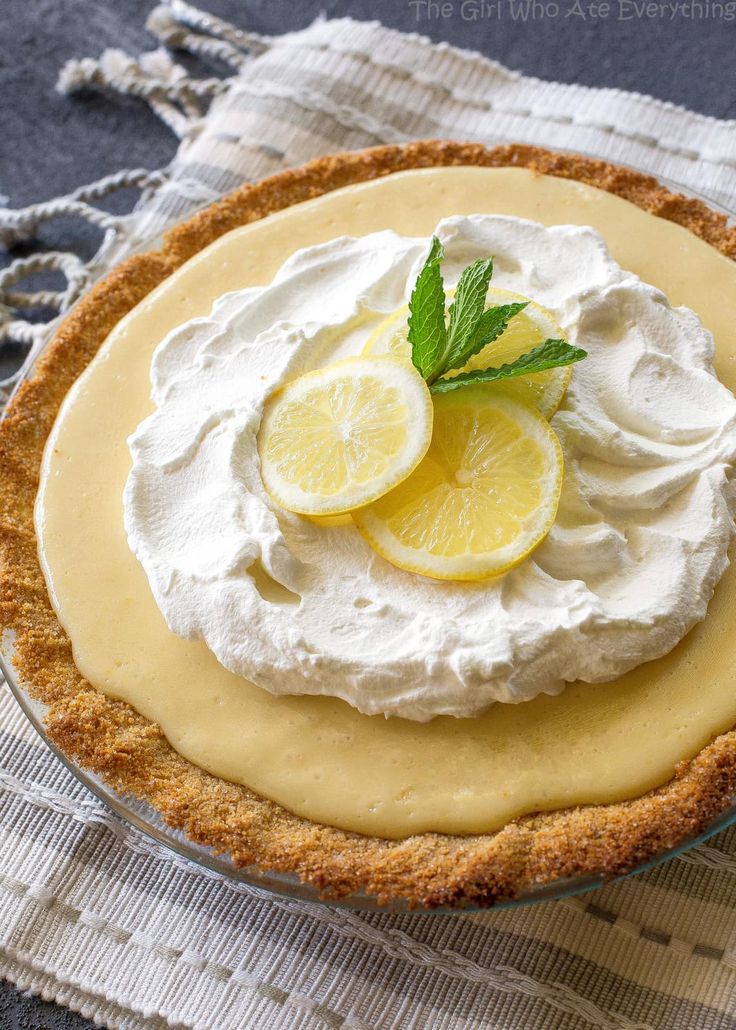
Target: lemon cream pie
[{"x": 189, "y": 589}]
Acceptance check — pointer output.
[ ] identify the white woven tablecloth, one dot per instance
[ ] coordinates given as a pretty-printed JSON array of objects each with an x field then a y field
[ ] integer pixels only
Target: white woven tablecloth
[{"x": 97, "y": 917}]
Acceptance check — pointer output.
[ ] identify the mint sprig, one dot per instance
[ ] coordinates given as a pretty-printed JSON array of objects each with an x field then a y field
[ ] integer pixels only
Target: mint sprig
[
  {"x": 549, "y": 354},
  {"x": 437, "y": 348}
]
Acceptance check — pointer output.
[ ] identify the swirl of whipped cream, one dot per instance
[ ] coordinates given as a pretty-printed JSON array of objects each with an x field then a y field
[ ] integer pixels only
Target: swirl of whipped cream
[{"x": 648, "y": 432}]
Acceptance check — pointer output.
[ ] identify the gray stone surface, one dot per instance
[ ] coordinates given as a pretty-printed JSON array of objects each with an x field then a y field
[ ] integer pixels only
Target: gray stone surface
[{"x": 49, "y": 144}]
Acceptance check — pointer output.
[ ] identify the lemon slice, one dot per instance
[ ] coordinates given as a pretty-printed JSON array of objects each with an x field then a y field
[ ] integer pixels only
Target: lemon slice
[
  {"x": 484, "y": 496},
  {"x": 530, "y": 328},
  {"x": 341, "y": 436}
]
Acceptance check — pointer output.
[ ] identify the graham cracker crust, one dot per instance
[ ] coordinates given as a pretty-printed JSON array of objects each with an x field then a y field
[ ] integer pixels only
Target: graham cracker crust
[{"x": 131, "y": 754}]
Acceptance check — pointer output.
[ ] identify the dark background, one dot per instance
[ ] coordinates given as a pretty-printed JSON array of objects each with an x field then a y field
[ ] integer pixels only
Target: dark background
[{"x": 49, "y": 144}]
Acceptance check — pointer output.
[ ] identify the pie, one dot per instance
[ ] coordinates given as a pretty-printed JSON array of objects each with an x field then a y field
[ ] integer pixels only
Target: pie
[{"x": 105, "y": 734}]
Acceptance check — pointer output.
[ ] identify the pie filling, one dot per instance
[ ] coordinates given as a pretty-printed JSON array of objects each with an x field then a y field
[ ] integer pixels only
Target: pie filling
[{"x": 628, "y": 568}]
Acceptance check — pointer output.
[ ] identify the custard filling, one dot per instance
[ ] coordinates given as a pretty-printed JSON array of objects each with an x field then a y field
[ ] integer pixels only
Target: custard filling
[{"x": 317, "y": 756}]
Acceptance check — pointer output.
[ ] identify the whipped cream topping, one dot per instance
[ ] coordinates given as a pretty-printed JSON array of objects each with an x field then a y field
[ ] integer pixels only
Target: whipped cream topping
[{"x": 648, "y": 433}]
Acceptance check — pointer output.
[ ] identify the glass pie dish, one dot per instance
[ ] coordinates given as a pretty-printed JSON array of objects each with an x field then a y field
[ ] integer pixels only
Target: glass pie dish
[{"x": 145, "y": 819}]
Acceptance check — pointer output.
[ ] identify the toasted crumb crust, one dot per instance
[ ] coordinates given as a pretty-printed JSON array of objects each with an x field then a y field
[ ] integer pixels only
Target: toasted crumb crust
[{"x": 131, "y": 753}]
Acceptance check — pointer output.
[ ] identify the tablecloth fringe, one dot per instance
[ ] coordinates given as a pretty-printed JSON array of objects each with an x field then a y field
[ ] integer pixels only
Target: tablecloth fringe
[{"x": 180, "y": 100}]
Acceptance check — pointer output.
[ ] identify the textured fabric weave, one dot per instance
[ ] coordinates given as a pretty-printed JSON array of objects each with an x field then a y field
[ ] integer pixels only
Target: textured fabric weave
[{"x": 102, "y": 919}]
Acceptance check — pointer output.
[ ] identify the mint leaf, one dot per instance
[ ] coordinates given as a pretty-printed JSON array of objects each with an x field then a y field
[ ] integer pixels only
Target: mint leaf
[
  {"x": 427, "y": 332},
  {"x": 466, "y": 310},
  {"x": 437, "y": 349},
  {"x": 549, "y": 354},
  {"x": 491, "y": 324}
]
